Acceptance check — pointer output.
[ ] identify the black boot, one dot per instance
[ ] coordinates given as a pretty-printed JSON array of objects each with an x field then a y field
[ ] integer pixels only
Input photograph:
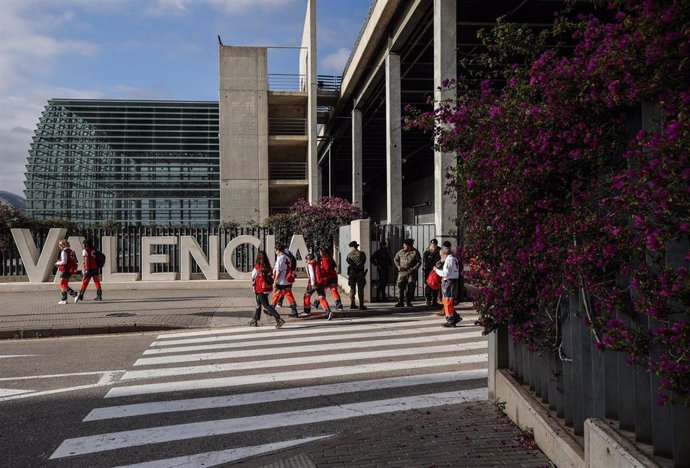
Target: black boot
[
  {"x": 361, "y": 302},
  {"x": 99, "y": 295},
  {"x": 352, "y": 302},
  {"x": 293, "y": 311},
  {"x": 338, "y": 304}
]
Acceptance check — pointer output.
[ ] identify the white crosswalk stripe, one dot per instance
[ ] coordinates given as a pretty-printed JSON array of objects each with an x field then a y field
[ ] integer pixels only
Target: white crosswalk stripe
[{"x": 305, "y": 376}]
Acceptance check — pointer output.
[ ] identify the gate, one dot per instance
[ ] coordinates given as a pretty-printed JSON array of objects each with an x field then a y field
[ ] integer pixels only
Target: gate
[{"x": 393, "y": 235}]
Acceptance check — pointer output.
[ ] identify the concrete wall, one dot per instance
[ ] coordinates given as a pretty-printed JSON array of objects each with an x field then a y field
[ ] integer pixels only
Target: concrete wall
[{"x": 243, "y": 129}]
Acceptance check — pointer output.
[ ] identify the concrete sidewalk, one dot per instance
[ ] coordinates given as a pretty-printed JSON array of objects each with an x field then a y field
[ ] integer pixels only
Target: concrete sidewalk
[{"x": 37, "y": 314}]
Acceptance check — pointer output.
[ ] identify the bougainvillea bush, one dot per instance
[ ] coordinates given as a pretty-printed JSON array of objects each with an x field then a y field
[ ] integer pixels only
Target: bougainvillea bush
[
  {"x": 318, "y": 223},
  {"x": 573, "y": 168}
]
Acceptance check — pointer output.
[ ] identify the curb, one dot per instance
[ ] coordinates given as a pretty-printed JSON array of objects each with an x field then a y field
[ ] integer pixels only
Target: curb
[
  {"x": 33, "y": 333},
  {"x": 54, "y": 332}
]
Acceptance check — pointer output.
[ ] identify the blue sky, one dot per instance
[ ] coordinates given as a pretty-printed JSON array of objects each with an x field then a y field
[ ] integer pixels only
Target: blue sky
[{"x": 143, "y": 49}]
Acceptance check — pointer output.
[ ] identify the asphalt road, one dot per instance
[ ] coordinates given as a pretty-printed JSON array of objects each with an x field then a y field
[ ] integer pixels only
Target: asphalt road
[{"x": 223, "y": 395}]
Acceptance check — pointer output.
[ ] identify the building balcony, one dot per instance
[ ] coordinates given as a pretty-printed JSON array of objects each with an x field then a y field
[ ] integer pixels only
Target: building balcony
[
  {"x": 287, "y": 126},
  {"x": 287, "y": 171}
]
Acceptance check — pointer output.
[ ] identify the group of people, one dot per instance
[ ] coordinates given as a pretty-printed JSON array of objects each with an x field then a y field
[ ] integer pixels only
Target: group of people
[
  {"x": 68, "y": 266},
  {"x": 322, "y": 276},
  {"x": 278, "y": 280},
  {"x": 407, "y": 262}
]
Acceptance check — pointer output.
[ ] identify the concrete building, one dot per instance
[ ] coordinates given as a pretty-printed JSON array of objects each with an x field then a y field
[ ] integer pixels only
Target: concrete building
[
  {"x": 403, "y": 53},
  {"x": 268, "y": 128}
]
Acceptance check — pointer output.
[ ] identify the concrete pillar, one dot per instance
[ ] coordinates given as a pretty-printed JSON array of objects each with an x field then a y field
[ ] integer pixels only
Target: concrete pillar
[
  {"x": 445, "y": 66},
  {"x": 393, "y": 141},
  {"x": 309, "y": 36},
  {"x": 357, "y": 157},
  {"x": 243, "y": 132}
]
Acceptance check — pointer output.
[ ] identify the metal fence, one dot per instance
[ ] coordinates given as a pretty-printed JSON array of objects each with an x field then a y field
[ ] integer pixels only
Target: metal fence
[
  {"x": 129, "y": 247},
  {"x": 577, "y": 382},
  {"x": 287, "y": 171},
  {"x": 287, "y": 126},
  {"x": 394, "y": 236},
  {"x": 286, "y": 82},
  {"x": 328, "y": 83}
]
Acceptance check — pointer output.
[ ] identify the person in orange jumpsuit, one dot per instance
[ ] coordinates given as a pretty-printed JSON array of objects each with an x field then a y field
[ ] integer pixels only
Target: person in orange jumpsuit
[
  {"x": 316, "y": 284},
  {"x": 329, "y": 269},
  {"x": 90, "y": 270}
]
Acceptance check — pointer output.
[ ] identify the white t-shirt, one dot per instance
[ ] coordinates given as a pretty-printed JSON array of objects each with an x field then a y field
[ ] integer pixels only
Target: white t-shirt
[
  {"x": 451, "y": 268},
  {"x": 280, "y": 269}
]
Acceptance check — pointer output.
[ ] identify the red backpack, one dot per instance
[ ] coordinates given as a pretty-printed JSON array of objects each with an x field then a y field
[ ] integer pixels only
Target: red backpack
[
  {"x": 72, "y": 265},
  {"x": 319, "y": 274}
]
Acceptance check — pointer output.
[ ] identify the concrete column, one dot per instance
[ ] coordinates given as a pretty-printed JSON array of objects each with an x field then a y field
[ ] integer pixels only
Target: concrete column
[
  {"x": 393, "y": 141},
  {"x": 309, "y": 37},
  {"x": 357, "y": 157},
  {"x": 445, "y": 66}
]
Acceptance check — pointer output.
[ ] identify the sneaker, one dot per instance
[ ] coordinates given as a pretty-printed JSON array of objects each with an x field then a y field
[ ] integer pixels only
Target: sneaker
[
  {"x": 339, "y": 307},
  {"x": 329, "y": 315},
  {"x": 62, "y": 302},
  {"x": 78, "y": 298},
  {"x": 293, "y": 313},
  {"x": 279, "y": 322},
  {"x": 305, "y": 313},
  {"x": 253, "y": 323}
]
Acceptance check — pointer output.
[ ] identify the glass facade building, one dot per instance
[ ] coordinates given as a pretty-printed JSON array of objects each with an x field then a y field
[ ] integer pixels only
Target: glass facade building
[{"x": 131, "y": 162}]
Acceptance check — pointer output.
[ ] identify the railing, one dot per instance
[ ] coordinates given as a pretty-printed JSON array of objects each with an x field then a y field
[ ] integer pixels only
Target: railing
[
  {"x": 286, "y": 82},
  {"x": 329, "y": 83},
  {"x": 287, "y": 171},
  {"x": 287, "y": 126},
  {"x": 576, "y": 382},
  {"x": 129, "y": 248},
  {"x": 359, "y": 35}
]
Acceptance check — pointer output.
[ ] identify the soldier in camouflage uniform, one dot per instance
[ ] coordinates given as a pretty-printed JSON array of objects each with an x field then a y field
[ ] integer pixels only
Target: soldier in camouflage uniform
[
  {"x": 407, "y": 261},
  {"x": 356, "y": 274}
]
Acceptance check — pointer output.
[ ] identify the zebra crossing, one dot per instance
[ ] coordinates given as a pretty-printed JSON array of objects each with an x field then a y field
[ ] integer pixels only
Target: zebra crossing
[{"x": 205, "y": 398}]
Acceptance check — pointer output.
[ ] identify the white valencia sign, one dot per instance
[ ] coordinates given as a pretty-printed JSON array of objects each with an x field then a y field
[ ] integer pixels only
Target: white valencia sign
[{"x": 39, "y": 265}]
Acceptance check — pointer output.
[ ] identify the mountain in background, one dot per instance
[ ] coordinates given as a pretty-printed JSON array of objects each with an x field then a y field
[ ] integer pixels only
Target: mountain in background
[{"x": 12, "y": 199}]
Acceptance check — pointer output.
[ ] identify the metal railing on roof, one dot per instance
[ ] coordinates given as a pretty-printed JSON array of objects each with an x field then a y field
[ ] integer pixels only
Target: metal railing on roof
[
  {"x": 287, "y": 82},
  {"x": 328, "y": 82},
  {"x": 359, "y": 36}
]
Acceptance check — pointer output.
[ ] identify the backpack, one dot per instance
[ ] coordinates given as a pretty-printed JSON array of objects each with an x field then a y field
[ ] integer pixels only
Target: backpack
[
  {"x": 72, "y": 265},
  {"x": 100, "y": 258},
  {"x": 319, "y": 274},
  {"x": 293, "y": 260}
]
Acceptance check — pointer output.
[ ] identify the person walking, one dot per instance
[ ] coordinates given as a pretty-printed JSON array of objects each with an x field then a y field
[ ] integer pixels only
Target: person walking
[
  {"x": 450, "y": 274},
  {"x": 407, "y": 261},
  {"x": 381, "y": 259},
  {"x": 67, "y": 266},
  {"x": 284, "y": 276},
  {"x": 262, "y": 282},
  {"x": 329, "y": 268},
  {"x": 89, "y": 270},
  {"x": 356, "y": 274},
  {"x": 316, "y": 283},
  {"x": 429, "y": 259}
]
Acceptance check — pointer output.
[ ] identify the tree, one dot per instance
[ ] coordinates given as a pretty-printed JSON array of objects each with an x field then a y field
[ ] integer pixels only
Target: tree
[{"x": 559, "y": 196}]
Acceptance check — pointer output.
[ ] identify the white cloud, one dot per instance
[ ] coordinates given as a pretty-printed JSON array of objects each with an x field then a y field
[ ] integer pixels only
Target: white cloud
[
  {"x": 229, "y": 7},
  {"x": 335, "y": 62}
]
